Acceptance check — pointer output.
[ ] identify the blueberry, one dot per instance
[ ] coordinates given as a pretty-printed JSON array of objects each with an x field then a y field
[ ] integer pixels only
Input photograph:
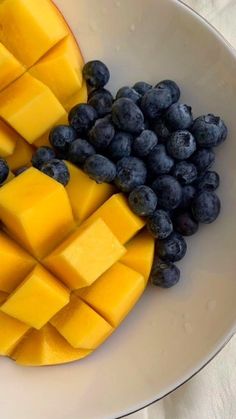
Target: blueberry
[
  {"x": 155, "y": 101},
  {"x": 169, "y": 192},
  {"x": 58, "y": 170},
  {"x": 120, "y": 146},
  {"x": 158, "y": 161},
  {"x": 100, "y": 168},
  {"x": 82, "y": 118},
  {"x": 160, "y": 225},
  {"x": 131, "y": 172},
  {"x": 94, "y": 92},
  {"x": 142, "y": 87},
  {"x": 143, "y": 200},
  {"x": 172, "y": 86},
  {"x": 164, "y": 274},
  {"x": 185, "y": 172},
  {"x": 208, "y": 182},
  {"x": 161, "y": 130},
  {"x": 61, "y": 137},
  {"x": 178, "y": 117},
  {"x": 101, "y": 134},
  {"x": 188, "y": 193},
  {"x": 129, "y": 93},
  {"x": 79, "y": 151},
  {"x": 96, "y": 74},
  {"x": 209, "y": 130},
  {"x": 42, "y": 155},
  {"x": 181, "y": 145},
  {"x": 21, "y": 169},
  {"x": 127, "y": 116},
  {"x": 4, "y": 170},
  {"x": 101, "y": 101},
  {"x": 173, "y": 248},
  {"x": 206, "y": 207},
  {"x": 144, "y": 143},
  {"x": 185, "y": 224},
  {"x": 203, "y": 159}
]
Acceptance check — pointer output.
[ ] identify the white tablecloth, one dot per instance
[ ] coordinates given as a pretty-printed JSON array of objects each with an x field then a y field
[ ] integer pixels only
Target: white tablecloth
[{"x": 212, "y": 393}]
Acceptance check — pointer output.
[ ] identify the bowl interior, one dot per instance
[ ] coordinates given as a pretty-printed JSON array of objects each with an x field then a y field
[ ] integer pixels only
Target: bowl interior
[{"x": 170, "y": 334}]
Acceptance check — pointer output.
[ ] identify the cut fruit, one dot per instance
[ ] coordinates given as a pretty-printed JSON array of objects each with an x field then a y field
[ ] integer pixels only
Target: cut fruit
[
  {"x": 85, "y": 255},
  {"x": 80, "y": 97},
  {"x": 3, "y": 296},
  {"x": 11, "y": 332},
  {"x": 46, "y": 347},
  {"x": 9, "y": 178},
  {"x": 22, "y": 154},
  {"x": 8, "y": 139},
  {"x": 43, "y": 141},
  {"x": 81, "y": 326},
  {"x": 10, "y": 68}
]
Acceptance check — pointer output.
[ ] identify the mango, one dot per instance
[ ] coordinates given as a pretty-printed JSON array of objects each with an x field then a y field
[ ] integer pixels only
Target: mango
[
  {"x": 37, "y": 299},
  {"x": 15, "y": 264},
  {"x": 8, "y": 139},
  {"x": 30, "y": 28},
  {"x": 11, "y": 332},
  {"x": 115, "y": 293},
  {"x": 80, "y": 97},
  {"x": 29, "y": 209},
  {"x": 140, "y": 253},
  {"x": 81, "y": 326},
  {"x": 9, "y": 177},
  {"x": 46, "y": 347},
  {"x": 85, "y": 194},
  {"x": 22, "y": 154},
  {"x": 85, "y": 255},
  {"x": 30, "y": 107},
  {"x": 44, "y": 139},
  {"x": 3, "y": 296},
  {"x": 10, "y": 67}
]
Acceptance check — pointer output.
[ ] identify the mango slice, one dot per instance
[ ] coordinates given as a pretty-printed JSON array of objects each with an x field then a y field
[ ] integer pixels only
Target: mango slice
[
  {"x": 37, "y": 299},
  {"x": 29, "y": 209},
  {"x": 3, "y": 296},
  {"x": 44, "y": 139},
  {"x": 8, "y": 139},
  {"x": 22, "y": 155},
  {"x": 85, "y": 255},
  {"x": 11, "y": 332},
  {"x": 10, "y": 67},
  {"x": 46, "y": 347},
  {"x": 80, "y": 97}
]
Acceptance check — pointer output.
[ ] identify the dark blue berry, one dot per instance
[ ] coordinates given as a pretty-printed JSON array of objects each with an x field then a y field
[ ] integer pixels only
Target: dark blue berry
[
  {"x": 173, "y": 248},
  {"x": 127, "y": 116},
  {"x": 131, "y": 172},
  {"x": 144, "y": 143},
  {"x": 142, "y": 87},
  {"x": 82, "y": 117},
  {"x": 161, "y": 130},
  {"x": 96, "y": 74},
  {"x": 143, "y": 200},
  {"x": 160, "y": 225},
  {"x": 100, "y": 168},
  {"x": 101, "y": 101},
  {"x": 178, "y": 117},
  {"x": 101, "y": 134},
  {"x": 42, "y": 155},
  {"x": 61, "y": 137},
  {"x": 203, "y": 159},
  {"x": 164, "y": 274},
  {"x": 208, "y": 182},
  {"x": 21, "y": 169},
  {"x": 94, "y": 92},
  {"x": 155, "y": 101},
  {"x": 120, "y": 146},
  {"x": 4, "y": 170},
  {"x": 57, "y": 170},
  {"x": 206, "y": 207},
  {"x": 129, "y": 93},
  {"x": 181, "y": 145},
  {"x": 158, "y": 161},
  {"x": 188, "y": 193},
  {"x": 209, "y": 130},
  {"x": 79, "y": 151},
  {"x": 169, "y": 192},
  {"x": 185, "y": 224},
  {"x": 185, "y": 172},
  {"x": 172, "y": 86}
]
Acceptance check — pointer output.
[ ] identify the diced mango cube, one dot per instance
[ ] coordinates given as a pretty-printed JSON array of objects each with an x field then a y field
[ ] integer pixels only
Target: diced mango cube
[
  {"x": 140, "y": 253},
  {"x": 11, "y": 332},
  {"x": 85, "y": 255},
  {"x": 46, "y": 347},
  {"x": 15, "y": 264},
  {"x": 61, "y": 69},
  {"x": 37, "y": 299},
  {"x": 3, "y": 296},
  {"x": 10, "y": 68},
  {"x": 8, "y": 139},
  {"x": 114, "y": 294},
  {"x": 29, "y": 208},
  {"x": 30, "y": 28},
  {"x": 9, "y": 177},
  {"x": 85, "y": 194},
  {"x": 21, "y": 156},
  {"x": 81, "y": 326},
  {"x": 30, "y": 107},
  {"x": 44, "y": 139},
  {"x": 119, "y": 217},
  {"x": 80, "y": 97}
]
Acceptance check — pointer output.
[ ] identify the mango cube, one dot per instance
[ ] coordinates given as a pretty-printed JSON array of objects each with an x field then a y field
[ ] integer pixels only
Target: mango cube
[
  {"x": 85, "y": 255},
  {"x": 37, "y": 299},
  {"x": 44, "y": 139},
  {"x": 10, "y": 68},
  {"x": 21, "y": 156},
  {"x": 15, "y": 264},
  {"x": 30, "y": 28},
  {"x": 9, "y": 177},
  {"x": 114, "y": 294},
  {"x": 80, "y": 97},
  {"x": 140, "y": 253},
  {"x": 8, "y": 139},
  {"x": 3, "y": 296},
  {"x": 119, "y": 218},
  {"x": 29, "y": 208},
  {"x": 46, "y": 347},
  {"x": 30, "y": 107},
  {"x": 81, "y": 326},
  {"x": 85, "y": 194},
  {"x": 11, "y": 332}
]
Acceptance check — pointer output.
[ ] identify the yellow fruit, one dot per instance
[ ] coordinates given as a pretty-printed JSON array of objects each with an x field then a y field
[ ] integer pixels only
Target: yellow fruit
[
  {"x": 3, "y": 296},
  {"x": 10, "y": 67},
  {"x": 9, "y": 178},
  {"x": 8, "y": 139},
  {"x": 44, "y": 139},
  {"x": 22, "y": 154},
  {"x": 11, "y": 332},
  {"x": 80, "y": 97}
]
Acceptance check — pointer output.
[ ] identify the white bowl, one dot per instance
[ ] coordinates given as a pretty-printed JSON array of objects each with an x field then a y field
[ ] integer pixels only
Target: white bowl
[{"x": 170, "y": 334}]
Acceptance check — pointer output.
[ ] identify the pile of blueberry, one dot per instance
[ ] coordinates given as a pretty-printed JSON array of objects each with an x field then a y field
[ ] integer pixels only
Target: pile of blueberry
[{"x": 147, "y": 143}]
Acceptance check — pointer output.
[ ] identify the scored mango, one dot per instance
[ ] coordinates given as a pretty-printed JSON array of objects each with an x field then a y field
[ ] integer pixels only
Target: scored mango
[
  {"x": 22, "y": 155},
  {"x": 8, "y": 139},
  {"x": 10, "y": 67},
  {"x": 11, "y": 332}
]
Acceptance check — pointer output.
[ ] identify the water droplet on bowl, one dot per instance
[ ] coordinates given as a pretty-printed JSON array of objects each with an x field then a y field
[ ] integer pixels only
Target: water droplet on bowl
[
  {"x": 211, "y": 305},
  {"x": 132, "y": 27},
  {"x": 117, "y": 3},
  {"x": 117, "y": 48},
  {"x": 188, "y": 328}
]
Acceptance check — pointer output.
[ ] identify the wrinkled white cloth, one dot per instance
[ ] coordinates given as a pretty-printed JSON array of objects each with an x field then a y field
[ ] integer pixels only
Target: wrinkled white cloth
[{"x": 211, "y": 393}]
